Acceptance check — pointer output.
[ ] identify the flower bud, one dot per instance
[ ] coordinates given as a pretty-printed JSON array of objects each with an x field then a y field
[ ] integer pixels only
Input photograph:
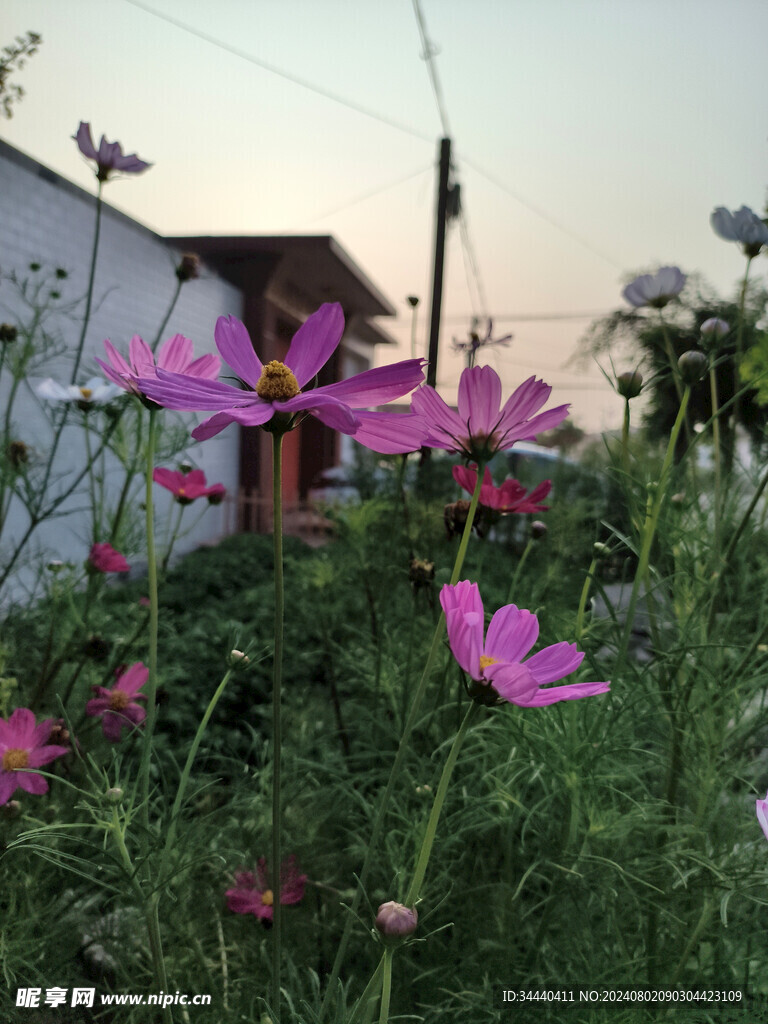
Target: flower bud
[
  {"x": 600, "y": 550},
  {"x": 692, "y": 366},
  {"x": 455, "y": 517},
  {"x": 8, "y": 333},
  {"x": 238, "y": 658},
  {"x": 60, "y": 735},
  {"x": 629, "y": 383},
  {"x": 538, "y": 529},
  {"x": 189, "y": 267},
  {"x": 11, "y": 809},
  {"x": 61, "y": 273},
  {"x": 395, "y": 921},
  {"x": 18, "y": 454},
  {"x": 421, "y": 573},
  {"x": 55, "y": 565},
  {"x": 714, "y": 328},
  {"x": 114, "y": 795}
]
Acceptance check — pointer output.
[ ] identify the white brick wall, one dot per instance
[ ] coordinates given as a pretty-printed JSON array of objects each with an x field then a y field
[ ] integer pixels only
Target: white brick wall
[{"x": 46, "y": 219}]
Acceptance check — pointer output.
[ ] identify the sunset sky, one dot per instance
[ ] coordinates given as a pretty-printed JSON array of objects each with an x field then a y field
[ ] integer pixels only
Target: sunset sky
[{"x": 592, "y": 139}]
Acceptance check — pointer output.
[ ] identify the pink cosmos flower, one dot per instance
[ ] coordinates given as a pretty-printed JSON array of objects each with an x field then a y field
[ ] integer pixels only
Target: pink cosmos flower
[
  {"x": 185, "y": 487},
  {"x": 284, "y": 389},
  {"x": 118, "y": 706},
  {"x": 24, "y": 745},
  {"x": 657, "y": 289},
  {"x": 104, "y": 558},
  {"x": 511, "y": 496},
  {"x": 175, "y": 354},
  {"x": 482, "y": 426},
  {"x": 109, "y": 156},
  {"x": 761, "y": 806},
  {"x": 252, "y": 893},
  {"x": 496, "y": 663}
]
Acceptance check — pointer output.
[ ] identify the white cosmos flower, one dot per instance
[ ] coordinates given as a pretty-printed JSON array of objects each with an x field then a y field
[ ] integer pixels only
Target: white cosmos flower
[
  {"x": 655, "y": 289},
  {"x": 95, "y": 391},
  {"x": 743, "y": 225}
]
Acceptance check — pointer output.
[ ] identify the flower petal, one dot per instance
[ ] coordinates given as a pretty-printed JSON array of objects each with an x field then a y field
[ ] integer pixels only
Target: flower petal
[
  {"x": 378, "y": 386},
  {"x": 554, "y": 662},
  {"x": 335, "y": 414},
  {"x": 195, "y": 394},
  {"x": 175, "y": 354},
  {"x": 464, "y": 619},
  {"x": 390, "y": 433},
  {"x": 511, "y": 634},
  {"x": 234, "y": 343},
  {"x": 574, "y": 691},
  {"x": 479, "y": 399},
  {"x": 444, "y": 426},
  {"x": 315, "y": 342}
]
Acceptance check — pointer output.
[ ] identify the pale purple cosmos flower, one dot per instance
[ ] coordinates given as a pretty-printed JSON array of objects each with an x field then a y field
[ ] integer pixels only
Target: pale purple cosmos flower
[
  {"x": 185, "y": 487},
  {"x": 104, "y": 558},
  {"x": 25, "y": 745},
  {"x": 284, "y": 389},
  {"x": 761, "y": 806},
  {"x": 252, "y": 893},
  {"x": 715, "y": 328},
  {"x": 482, "y": 426},
  {"x": 175, "y": 354},
  {"x": 743, "y": 225},
  {"x": 118, "y": 707},
  {"x": 496, "y": 664},
  {"x": 109, "y": 156},
  {"x": 657, "y": 289},
  {"x": 509, "y": 497}
]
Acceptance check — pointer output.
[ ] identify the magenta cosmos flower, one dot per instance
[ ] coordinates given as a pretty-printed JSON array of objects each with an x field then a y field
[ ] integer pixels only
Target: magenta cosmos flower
[
  {"x": 109, "y": 156},
  {"x": 284, "y": 388},
  {"x": 175, "y": 354},
  {"x": 24, "y": 745},
  {"x": 657, "y": 289},
  {"x": 104, "y": 558},
  {"x": 510, "y": 497},
  {"x": 253, "y": 894},
  {"x": 118, "y": 706},
  {"x": 482, "y": 426},
  {"x": 185, "y": 487},
  {"x": 496, "y": 663}
]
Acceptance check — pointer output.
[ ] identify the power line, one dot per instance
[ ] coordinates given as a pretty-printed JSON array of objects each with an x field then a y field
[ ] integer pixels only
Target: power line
[
  {"x": 266, "y": 66},
  {"x": 429, "y": 52},
  {"x": 507, "y": 318},
  {"x": 369, "y": 195}
]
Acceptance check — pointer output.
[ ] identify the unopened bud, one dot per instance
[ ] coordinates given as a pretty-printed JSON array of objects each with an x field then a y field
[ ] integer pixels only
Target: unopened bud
[
  {"x": 114, "y": 795},
  {"x": 8, "y": 333},
  {"x": 455, "y": 517},
  {"x": 421, "y": 573},
  {"x": 238, "y": 658},
  {"x": 216, "y": 494},
  {"x": 538, "y": 529},
  {"x": 59, "y": 734},
  {"x": 600, "y": 550},
  {"x": 715, "y": 328},
  {"x": 11, "y": 809},
  {"x": 692, "y": 366},
  {"x": 396, "y": 921},
  {"x": 189, "y": 267},
  {"x": 55, "y": 565},
  {"x": 629, "y": 383},
  {"x": 18, "y": 454}
]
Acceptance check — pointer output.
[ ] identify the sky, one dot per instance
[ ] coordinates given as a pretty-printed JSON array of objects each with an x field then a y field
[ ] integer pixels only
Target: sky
[{"x": 591, "y": 140}]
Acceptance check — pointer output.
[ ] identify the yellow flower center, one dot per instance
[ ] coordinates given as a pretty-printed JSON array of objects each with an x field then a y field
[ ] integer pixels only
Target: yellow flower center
[
  {"x": 181, "y": 492},
  {"x": 267, "y": 898},
  {"x": 86, "y": 393},
  {"x": 486, "y": 660},
  {"x": 276, "y": 383},
  {"x": 14, "y": 758},
  {"x": 119, "y": 700}
]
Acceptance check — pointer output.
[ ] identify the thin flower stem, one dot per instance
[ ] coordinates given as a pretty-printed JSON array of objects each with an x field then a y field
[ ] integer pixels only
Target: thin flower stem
[
  {"x": 718, "y": 466},
  {"x": 437, "y": 806},
  {"x": 583, "y": 598},
  {"x": 653, "y": 511},
  {"x": 402, "y": 750},
  {"x": 625, "y": 439},
  {"x": 739, "y": 349},
  {"x": 89, "y": 294},
  {"x": 167, "y": 317},
  {"x": 518, "y": 570},
  {"x": 367, "y": 1000},
  {"x": 277, "y": 678},
  {"x": 386, "y": 986},
  {"x": 151, "y": 690}
]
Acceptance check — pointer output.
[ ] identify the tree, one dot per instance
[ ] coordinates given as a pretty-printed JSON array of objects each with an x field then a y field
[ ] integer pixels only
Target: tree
[{"x": 14, "y": 58}]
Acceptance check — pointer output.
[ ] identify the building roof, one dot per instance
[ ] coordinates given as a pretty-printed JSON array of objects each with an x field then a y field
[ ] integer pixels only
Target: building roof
[{"x": 312, "y": 268}]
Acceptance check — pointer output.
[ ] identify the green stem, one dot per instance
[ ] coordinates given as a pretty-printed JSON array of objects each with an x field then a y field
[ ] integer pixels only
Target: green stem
[
  {"x": 653, "y": 511},
  {"x": 583, "y": 598},
  {"x": 89, "y": 294},
  {"x": 167, "y": 316},
  {"x": 277, "y": 677},
  {"x": 739, "y": 350},
  {"x": 625, "y": 439},
  {"x": 402, "y": 750},
  {"x": 518, "y": 570},
  {"x": 718, "y": 468},
  {"x": 386, "y": 986},
  {"x": 151, "y": 690},
  {"x": 429, "y": 836},
  {"x": 367, "y": 1000}
]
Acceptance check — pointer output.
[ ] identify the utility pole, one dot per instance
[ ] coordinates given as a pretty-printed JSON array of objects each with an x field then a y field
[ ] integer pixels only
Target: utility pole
[{"x": 441, "y": 217}]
